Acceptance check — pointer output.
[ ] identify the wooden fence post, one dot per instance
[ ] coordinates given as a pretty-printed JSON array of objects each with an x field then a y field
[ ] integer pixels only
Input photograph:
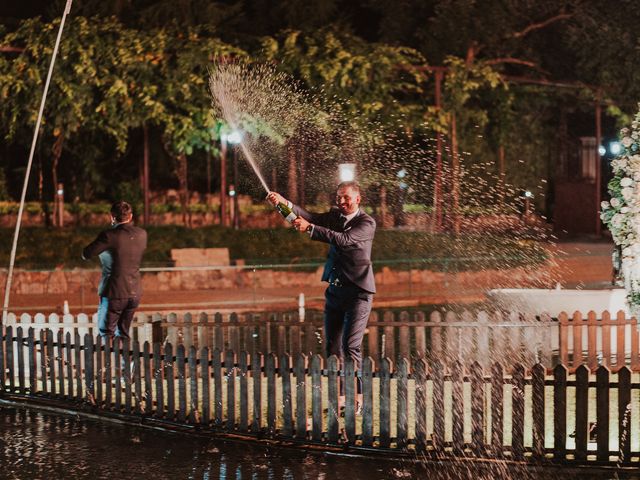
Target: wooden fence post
[
  {"x": 560, "y": 412},
  {"x": 582, "y": 412},
  {"x": 402, "y": 387},
  {"x": 33, "y": 372},
  {"x": 187, "y": 330},
  {"x": 420, "y": 376},
  {"x": 333, "y": 411},
  {"x": 20, "y": 353},
  {"x": 234, "y": 333},
  {"x": 624, "y": 415},
  {"x": 538, "y": 408},
  {"x": 367, "y": 402},
  {"x": 301, "y": 396},
  {"x": 100, "y": 373},
  {"x": 457, "y": 407},
  {"x": 256, "y": 374},
  {"x": 576, "y": 321},
  {"x": 483, "y": 339},
  {"x": 420, "y": 335},
  {"x": 437, "y": 378},
  {"x": 216, "y": 363},
  {"x": 172, "y": 330},
  {"x": 621, "y": 327},
  {"x": 205, "y": 375},
  {"x": 388, "y": 317},
  {"x": 77, "y": 350},
  {"x": 592, "y": 336},
  {"x": 230, "y": 369},
  {"x": 563, "y": 338},
  {"x": 60, "y": 361},
  {"x": 180, "y": 373},
  {"x": 106, "y": 365},
  {"x": 156, "y": 329},
  {"x": 316, "y": 397},
  {"x": 635, "y": 345},
  {"x": 170, "y": 378},
  {"x": 477, "y": 409},
  {"x": 606, "y": 339},
  {"x": 517, "y": 412},
  {"x": 403, "y": 335},
  {"x": 385, "y": 402},
  {"x": 50, "y": 362},
  {"x": 203, "y": 331},
  {"x": 287, "y": 404},
  {"x": 194, "y": 404},
  {"x": 602, "y": 413},
  {"x": 146, "y": 400},
  {"x": 243, "y": 365},
  {"x": 497, "y": 409},
  {"x": 270, "y": 372},
  {"x": 158, "y": 372},
  {"x": 350, "y": 399}
]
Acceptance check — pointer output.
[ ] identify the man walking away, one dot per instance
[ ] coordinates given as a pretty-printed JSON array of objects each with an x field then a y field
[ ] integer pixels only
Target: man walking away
[{"x": 126, "y": 244}]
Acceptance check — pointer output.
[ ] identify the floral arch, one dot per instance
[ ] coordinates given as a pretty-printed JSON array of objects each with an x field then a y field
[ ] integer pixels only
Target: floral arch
[{"x": 621, "y": 213}]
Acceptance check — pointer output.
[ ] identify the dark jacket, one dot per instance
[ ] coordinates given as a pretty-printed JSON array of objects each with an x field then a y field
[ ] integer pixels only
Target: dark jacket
[
  {"x": 350, "y": 246},
  {"x": 126, "y": 243}
]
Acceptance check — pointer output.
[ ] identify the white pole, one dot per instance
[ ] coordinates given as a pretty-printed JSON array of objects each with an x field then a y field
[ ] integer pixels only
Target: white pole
[
  {"x": 7, "y": 289},
  {"x": 301, "y": 307}
]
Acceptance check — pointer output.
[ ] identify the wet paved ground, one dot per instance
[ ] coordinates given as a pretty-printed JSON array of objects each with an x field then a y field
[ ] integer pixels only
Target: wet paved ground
[{"x": 47, "y": 445}]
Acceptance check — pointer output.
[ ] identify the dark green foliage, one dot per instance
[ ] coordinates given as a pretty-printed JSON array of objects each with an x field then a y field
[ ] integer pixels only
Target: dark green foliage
[{"x": 44, "y": 248}]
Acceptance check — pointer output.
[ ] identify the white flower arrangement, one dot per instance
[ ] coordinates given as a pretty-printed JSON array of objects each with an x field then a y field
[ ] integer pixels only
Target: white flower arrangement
[{"x": 621, "y": 213}]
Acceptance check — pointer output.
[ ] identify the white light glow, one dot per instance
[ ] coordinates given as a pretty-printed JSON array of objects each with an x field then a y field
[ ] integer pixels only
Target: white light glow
[
  {"x": 233, "y": 138},
  {"x": 602, "y": 150},
  {"x": 615, "y": 148},
  {"x": 347, "y": 172}
]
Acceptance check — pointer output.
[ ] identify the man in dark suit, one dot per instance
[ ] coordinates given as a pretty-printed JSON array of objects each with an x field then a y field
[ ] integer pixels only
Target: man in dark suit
[
  {"x": 126, "y": 244},
  {"x": 349, "y": 231}
]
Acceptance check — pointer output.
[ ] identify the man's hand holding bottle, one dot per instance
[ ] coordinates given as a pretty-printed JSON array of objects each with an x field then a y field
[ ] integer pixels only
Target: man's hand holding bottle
[{"x": 282, "y": 205}]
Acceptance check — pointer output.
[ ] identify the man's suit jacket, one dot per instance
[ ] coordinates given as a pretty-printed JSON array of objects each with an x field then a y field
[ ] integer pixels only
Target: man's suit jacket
[
  {"x": 126, "y": 243},
  {"x": 350, "y": 246}
]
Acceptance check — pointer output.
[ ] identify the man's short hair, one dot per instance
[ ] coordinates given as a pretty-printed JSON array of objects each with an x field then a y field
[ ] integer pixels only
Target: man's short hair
[
  {"x": 350, "y": 184},
  {"x": 121, "y": 211}
]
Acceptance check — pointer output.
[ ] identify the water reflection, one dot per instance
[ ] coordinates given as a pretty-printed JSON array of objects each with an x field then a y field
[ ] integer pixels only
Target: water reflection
[{"x": 37, "y": 445}]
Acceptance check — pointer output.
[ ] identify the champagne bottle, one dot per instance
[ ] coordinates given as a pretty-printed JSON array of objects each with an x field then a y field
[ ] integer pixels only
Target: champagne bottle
[{"x": 286, "y": 212}]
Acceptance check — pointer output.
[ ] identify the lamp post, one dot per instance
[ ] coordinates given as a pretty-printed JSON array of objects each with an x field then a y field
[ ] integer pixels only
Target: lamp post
[
  {"x": 527, "y": 197},
  {"x": 58, "y": 209},
  {"x": 223, "y": 180},
  {"x": 234, "y": 138}
]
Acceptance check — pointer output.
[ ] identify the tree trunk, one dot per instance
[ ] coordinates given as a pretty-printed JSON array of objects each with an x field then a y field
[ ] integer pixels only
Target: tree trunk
[
  {"x": 223, "y": 183},
  {"x": 57, "y": 153},
  {"x": 437, "y": 181},
  {"x": 501, "y": 176},
  {"x": 145, "y": 176},
  {"x": 455, "y": 177},
  {"x": 181, "y": 173}
]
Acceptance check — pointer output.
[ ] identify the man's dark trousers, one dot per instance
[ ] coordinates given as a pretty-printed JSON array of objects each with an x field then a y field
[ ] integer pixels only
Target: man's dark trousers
[
  {"x": 346, "y": 314},
  {"x": 120, "y": 313}
]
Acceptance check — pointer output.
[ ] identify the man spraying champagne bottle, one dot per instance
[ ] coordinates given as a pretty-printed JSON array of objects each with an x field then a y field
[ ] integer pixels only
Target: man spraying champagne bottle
[{"x": 348, "y": 299}]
